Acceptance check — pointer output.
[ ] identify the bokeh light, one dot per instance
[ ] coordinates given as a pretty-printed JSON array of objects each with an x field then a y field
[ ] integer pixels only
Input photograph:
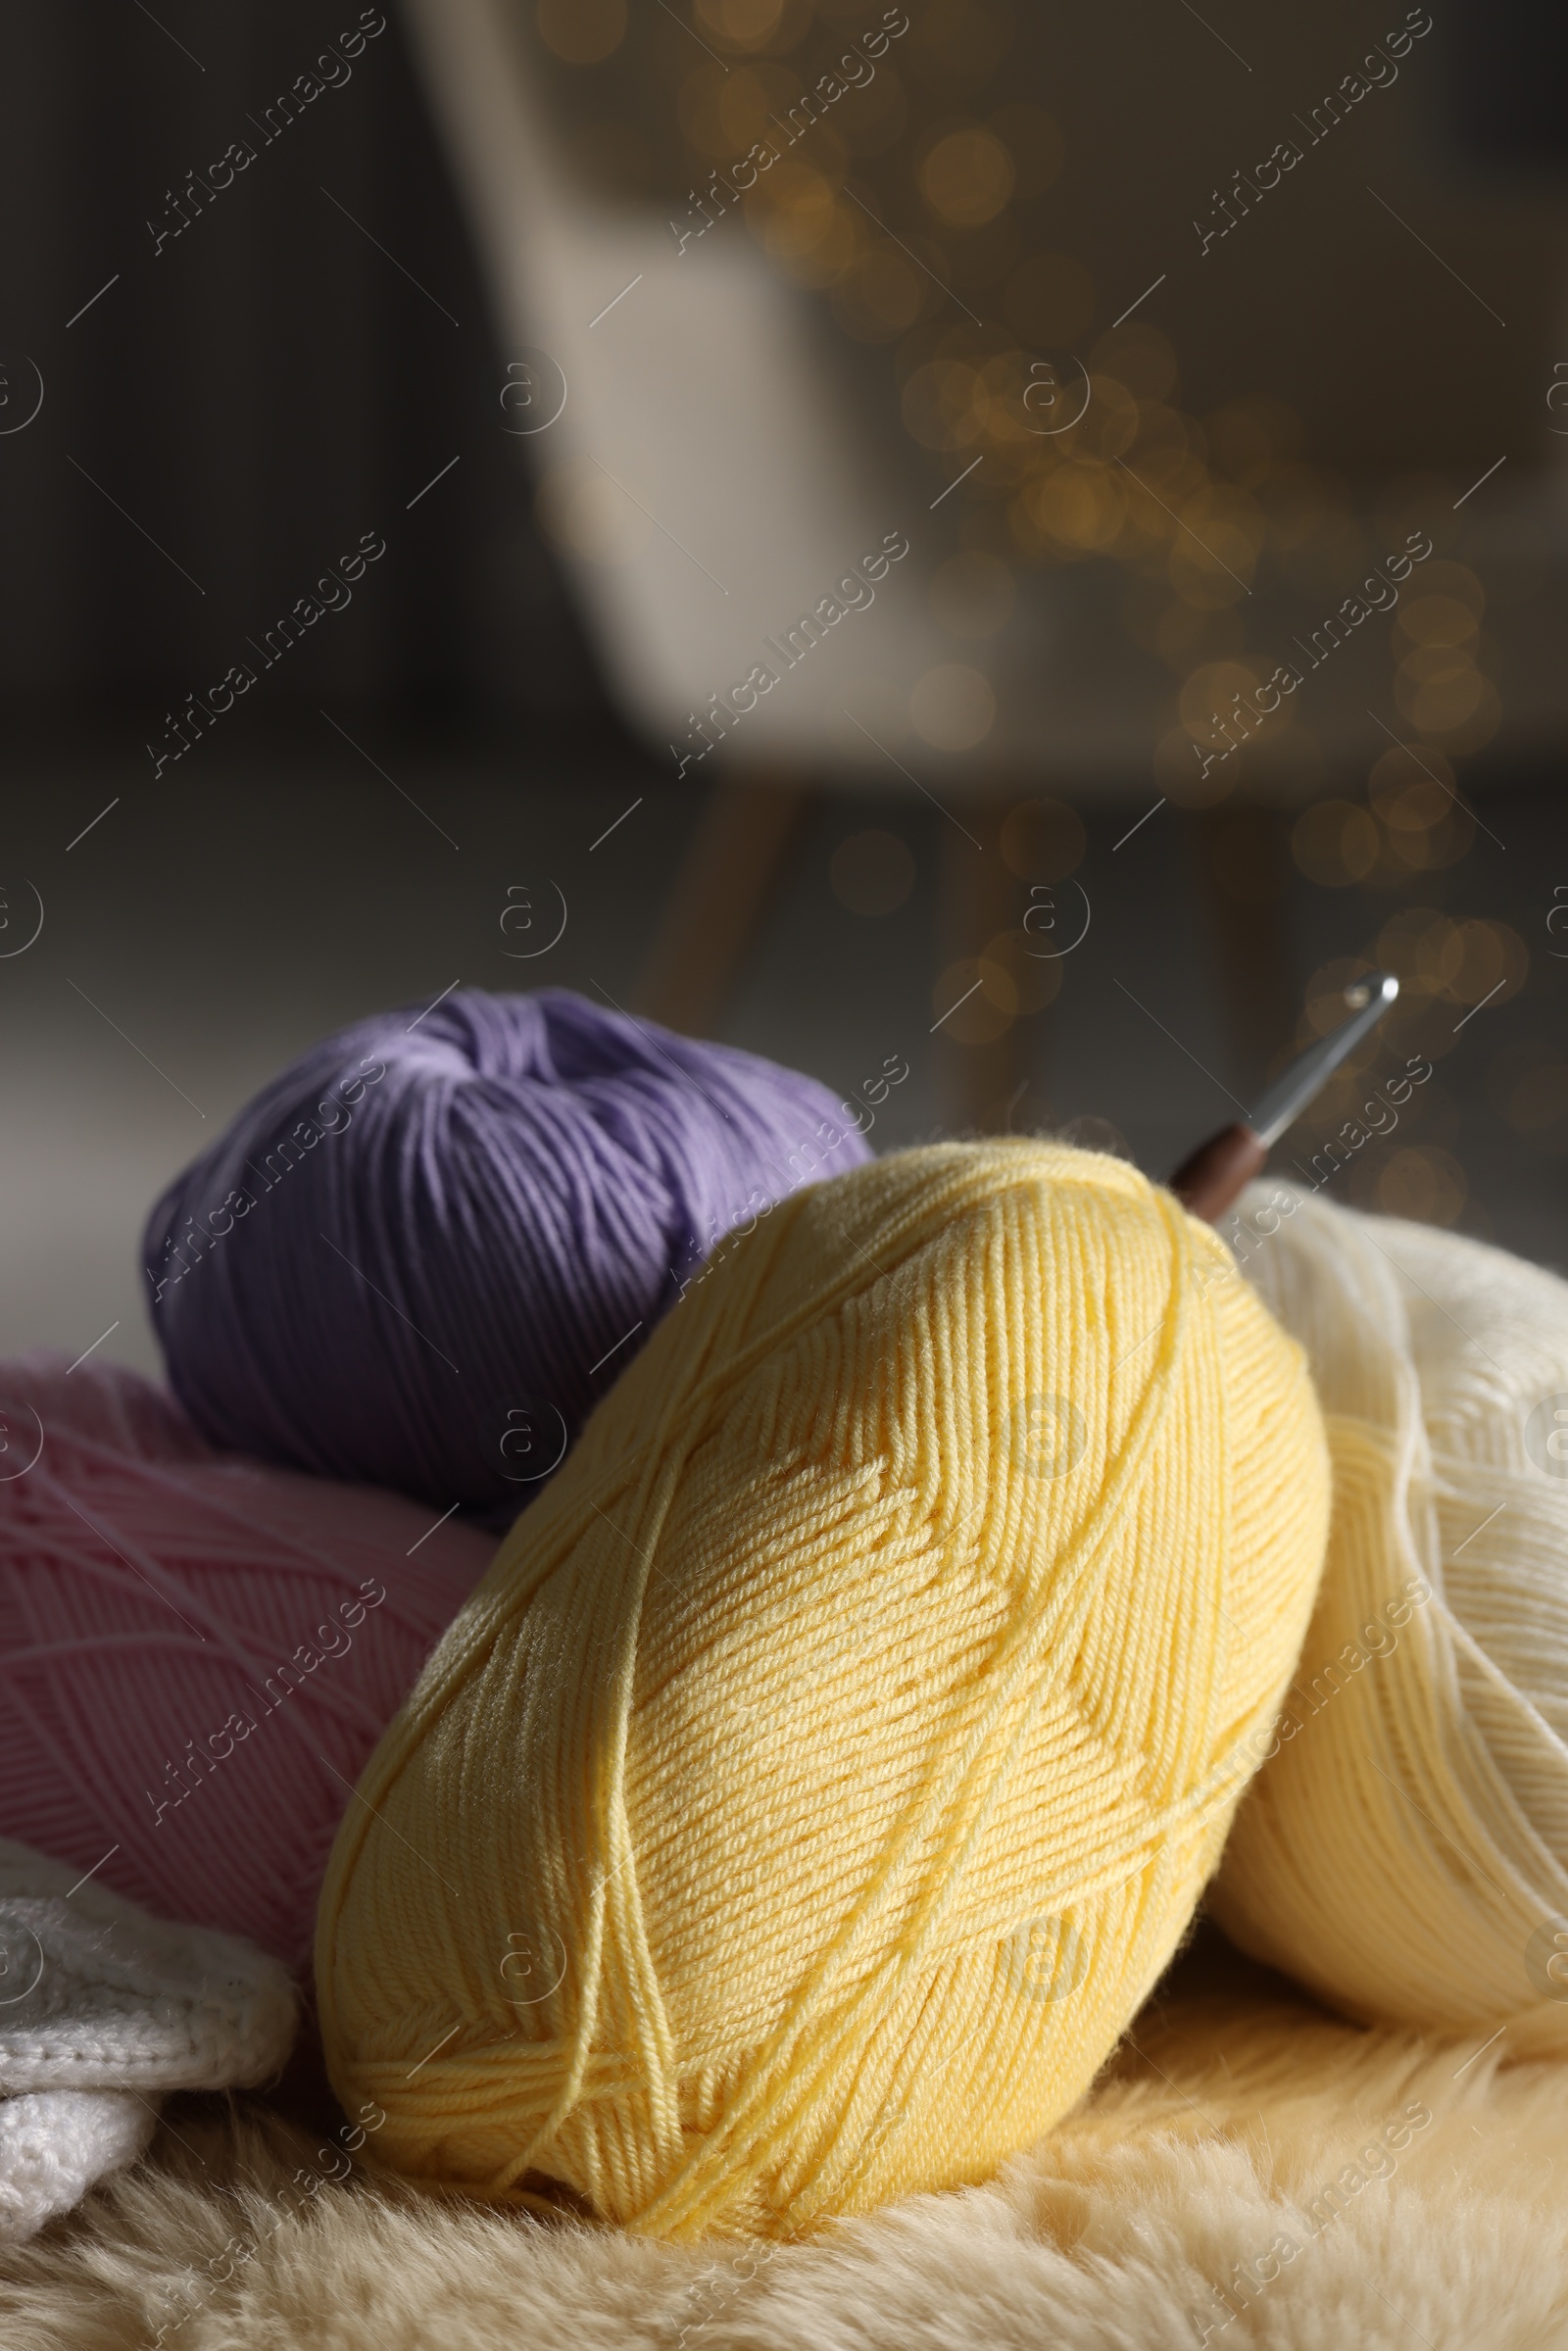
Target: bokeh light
[
  {"x": 1414, "y": 798},
  {"x": 1423, "y": 1183},
  {"x": 952, "y": 706},
  {"x": 1030, "y": 979},
  {"x": 582, "y": 33},
  {"x": 872, "y": 872},
  {"x": 967, "y": 177},
  {"x": 1335, "y": 843},
  {"x": 746, "y": 24},
  {"x": 974, "y": 1001}
]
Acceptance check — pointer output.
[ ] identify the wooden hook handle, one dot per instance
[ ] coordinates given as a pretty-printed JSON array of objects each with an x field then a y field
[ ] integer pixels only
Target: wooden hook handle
[{"x": 1208, "y": 1182}]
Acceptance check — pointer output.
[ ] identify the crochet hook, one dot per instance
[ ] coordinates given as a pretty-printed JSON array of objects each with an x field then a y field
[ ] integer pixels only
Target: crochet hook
[{"x": 1210, "y": 1180}]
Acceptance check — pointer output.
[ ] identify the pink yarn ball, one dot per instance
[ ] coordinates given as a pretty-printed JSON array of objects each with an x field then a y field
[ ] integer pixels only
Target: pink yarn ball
[{"x": 197, "y": 1651}]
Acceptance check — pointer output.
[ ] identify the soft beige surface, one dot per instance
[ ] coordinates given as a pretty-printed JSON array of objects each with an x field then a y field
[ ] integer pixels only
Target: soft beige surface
[{"x": 1244, "y": 2107}]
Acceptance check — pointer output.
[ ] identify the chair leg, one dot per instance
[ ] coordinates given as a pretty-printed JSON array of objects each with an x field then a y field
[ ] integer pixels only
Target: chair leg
[
  {"x": 732, "y": 866},
  {"x": 1246, "y": 871},
  {"x": 985, "y": 1059}
]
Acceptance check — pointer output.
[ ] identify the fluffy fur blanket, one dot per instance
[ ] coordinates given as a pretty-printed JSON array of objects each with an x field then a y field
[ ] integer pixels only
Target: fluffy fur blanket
[{"x": 1248, "y": 2173}]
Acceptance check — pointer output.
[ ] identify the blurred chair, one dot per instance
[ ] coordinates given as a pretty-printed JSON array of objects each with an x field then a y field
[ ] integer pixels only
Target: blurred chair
[{"x": 723, "y": 458}]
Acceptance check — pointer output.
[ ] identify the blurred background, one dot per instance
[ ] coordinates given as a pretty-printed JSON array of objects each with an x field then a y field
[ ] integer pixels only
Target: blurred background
[{"x": 1028, "y": 542}]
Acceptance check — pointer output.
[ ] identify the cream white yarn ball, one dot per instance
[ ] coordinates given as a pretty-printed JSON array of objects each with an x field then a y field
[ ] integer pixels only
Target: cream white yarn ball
[{"x": 1404, "y": 1849}]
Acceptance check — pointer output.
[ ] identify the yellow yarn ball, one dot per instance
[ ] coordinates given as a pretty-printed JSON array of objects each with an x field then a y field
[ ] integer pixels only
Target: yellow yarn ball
[
  {"x": 833, "y": 1756},
  {"x": 1404, "y": 1850}
]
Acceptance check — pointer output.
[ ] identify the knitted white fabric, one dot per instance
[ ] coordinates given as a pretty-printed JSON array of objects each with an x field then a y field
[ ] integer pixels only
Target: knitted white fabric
[
  {"x": 55, "y": 2144},
  {"x": 101, "y": 2008}
]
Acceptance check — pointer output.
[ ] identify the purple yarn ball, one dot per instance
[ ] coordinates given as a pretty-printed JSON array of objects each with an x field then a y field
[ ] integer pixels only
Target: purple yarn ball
[{"x": 421, "y": 1254}]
